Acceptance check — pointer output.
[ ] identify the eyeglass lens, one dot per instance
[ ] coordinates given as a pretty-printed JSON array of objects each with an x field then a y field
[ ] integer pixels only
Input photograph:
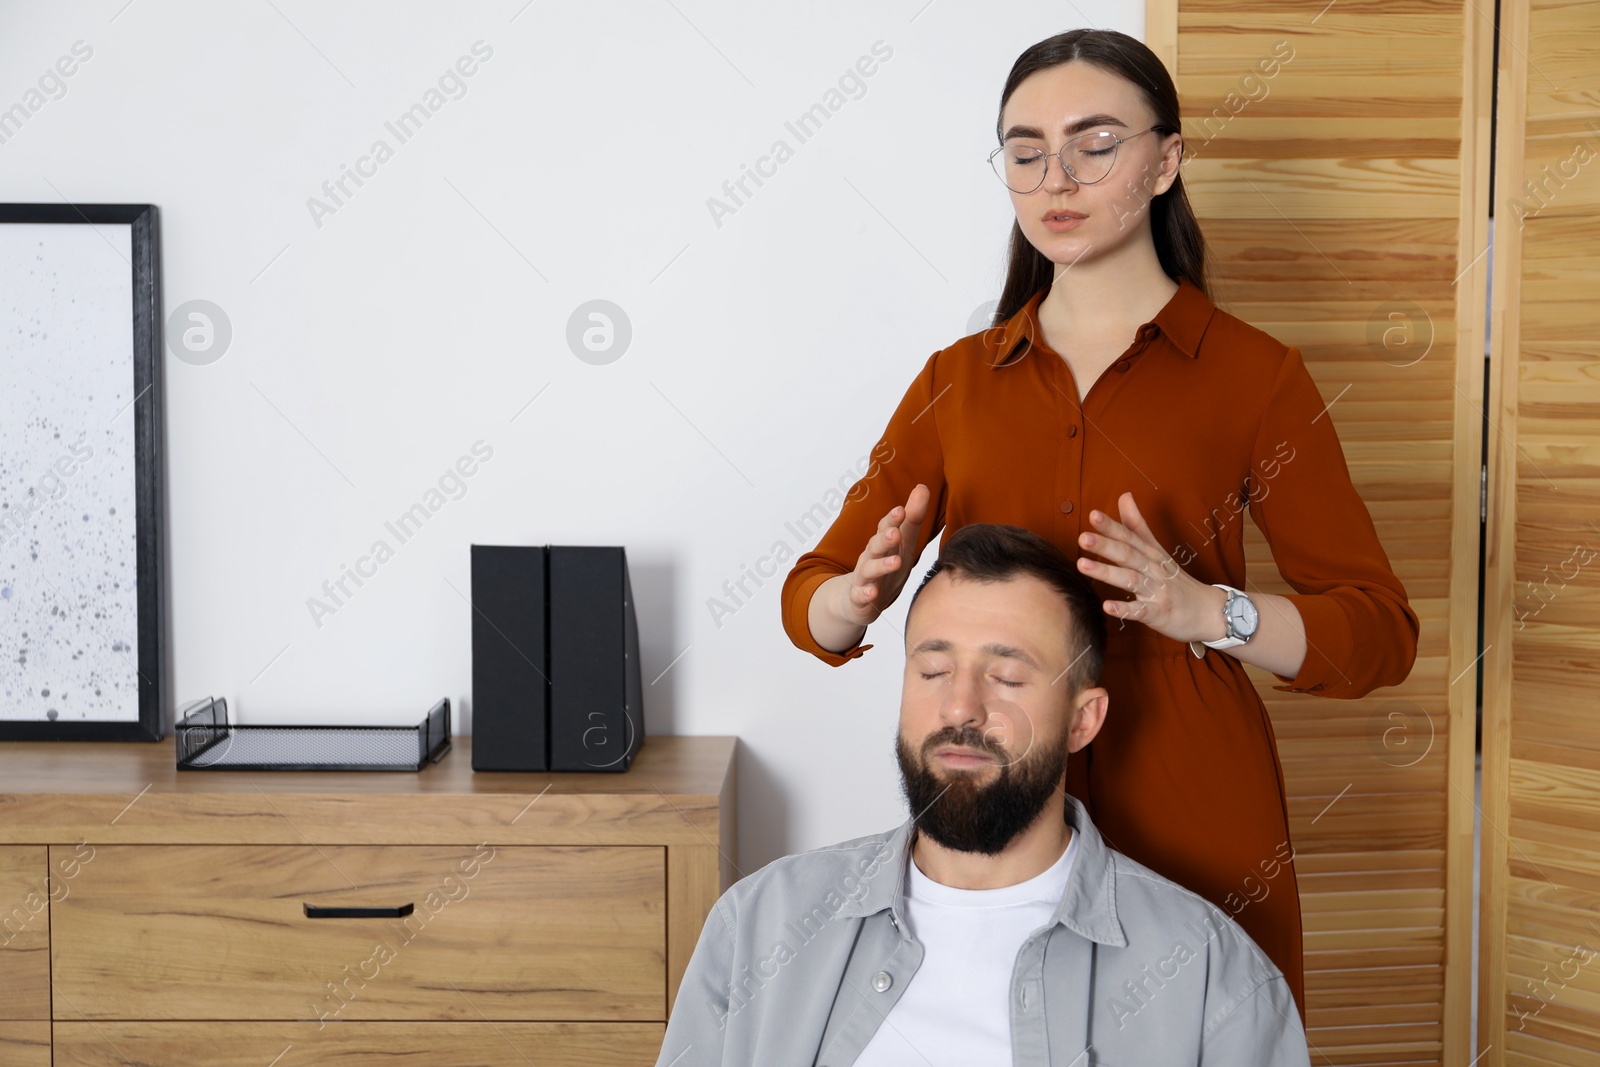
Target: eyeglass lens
[{"x": 1087, "y": 158}]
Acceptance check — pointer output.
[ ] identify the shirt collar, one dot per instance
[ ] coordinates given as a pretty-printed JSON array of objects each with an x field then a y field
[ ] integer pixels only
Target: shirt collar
[
  {"x": 1182, "y": 321},
  {"x": 1088, "y": 904}
]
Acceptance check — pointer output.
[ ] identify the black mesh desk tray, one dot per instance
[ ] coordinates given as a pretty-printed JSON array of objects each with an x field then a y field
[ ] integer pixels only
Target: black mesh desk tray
[{"x": 207, "y": 741}]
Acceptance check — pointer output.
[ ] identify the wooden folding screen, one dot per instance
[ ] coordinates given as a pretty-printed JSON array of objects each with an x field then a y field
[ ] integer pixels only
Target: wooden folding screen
[
  {"x": 1338, "y": 162},
  {"x": 1540, "y": 945}
]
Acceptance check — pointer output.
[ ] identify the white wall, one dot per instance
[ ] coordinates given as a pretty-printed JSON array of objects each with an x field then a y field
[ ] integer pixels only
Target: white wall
[{"x": 373, "y": 345}]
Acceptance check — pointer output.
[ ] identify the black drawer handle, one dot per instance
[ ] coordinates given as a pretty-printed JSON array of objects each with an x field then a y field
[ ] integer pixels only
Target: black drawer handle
[{"x": 314, "y": 911}]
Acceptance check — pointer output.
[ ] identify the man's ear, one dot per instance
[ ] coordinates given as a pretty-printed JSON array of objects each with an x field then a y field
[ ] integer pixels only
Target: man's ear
[{"x": 1088, "y": 714}]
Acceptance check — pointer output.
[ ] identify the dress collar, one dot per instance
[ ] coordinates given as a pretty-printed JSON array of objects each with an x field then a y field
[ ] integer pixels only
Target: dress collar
[{"x": 1182, "y": 321}]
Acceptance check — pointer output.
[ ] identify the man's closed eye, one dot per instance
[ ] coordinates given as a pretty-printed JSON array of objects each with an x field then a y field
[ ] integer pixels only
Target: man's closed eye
[{"x": 1002, "y": 681}]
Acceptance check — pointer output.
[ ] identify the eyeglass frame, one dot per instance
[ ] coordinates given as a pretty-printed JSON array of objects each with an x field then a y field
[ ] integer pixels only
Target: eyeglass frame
[{"x": 989, "y": 159}]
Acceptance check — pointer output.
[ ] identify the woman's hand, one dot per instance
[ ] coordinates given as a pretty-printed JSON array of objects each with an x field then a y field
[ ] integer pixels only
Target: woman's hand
[
  {"x": 881, "y": 570},
  {"x": 1165, "y": 598}
]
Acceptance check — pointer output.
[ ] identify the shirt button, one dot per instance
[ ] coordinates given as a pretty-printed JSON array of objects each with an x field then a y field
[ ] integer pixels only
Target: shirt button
[
  {"x": 1066, "y": 507},
  {"x": 881, "y": 981},
  {"x": 1122, "y": 366},
  {"x": 1072, "y": 431}
]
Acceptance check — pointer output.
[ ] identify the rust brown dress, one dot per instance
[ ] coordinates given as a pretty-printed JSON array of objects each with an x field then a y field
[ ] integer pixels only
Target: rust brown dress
[{"x": 1203, "y": 418}]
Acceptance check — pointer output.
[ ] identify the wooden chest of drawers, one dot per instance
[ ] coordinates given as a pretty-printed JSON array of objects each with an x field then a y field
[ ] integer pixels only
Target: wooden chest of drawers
[{"x": 149, "y": 915}]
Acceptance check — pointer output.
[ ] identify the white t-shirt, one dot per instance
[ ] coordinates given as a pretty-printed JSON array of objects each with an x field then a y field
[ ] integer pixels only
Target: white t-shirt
[{"x": 956, "y": 1011}]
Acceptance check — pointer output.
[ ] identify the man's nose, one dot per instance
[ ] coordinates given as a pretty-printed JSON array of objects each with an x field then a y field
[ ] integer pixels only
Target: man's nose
[{"x": 965, "y": 702}]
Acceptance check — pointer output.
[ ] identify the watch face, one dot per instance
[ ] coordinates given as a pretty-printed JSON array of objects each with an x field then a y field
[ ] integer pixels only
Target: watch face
[{"x": 1242, "y": 616}]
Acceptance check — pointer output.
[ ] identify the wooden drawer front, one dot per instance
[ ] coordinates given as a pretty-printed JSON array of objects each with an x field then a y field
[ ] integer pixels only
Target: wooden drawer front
[
  {"x": 563, "y": 933},
  {"x": 25, "y": 932},
  {"x": 117, "y": 1044},
  {"x": 27, "y": 1044}
]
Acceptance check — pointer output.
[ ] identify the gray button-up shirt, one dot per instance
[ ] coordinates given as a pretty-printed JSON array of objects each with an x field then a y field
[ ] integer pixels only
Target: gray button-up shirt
[{"x": 798, "y": 963}]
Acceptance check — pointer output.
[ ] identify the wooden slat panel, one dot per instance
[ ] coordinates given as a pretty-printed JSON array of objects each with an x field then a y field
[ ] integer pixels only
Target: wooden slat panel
[
  {"x": 1540, "y": 974},
  {"x": 1355, "y": 185}
]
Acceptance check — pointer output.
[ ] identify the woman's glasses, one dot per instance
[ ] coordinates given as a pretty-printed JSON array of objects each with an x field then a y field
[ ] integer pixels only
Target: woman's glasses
[{"x": 1086, "y": 159}]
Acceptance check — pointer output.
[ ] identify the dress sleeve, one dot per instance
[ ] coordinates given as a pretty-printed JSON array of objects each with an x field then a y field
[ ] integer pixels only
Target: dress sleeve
[
  {"x": 909, "y": 452},
  {"x": 1361, "y": 632}
]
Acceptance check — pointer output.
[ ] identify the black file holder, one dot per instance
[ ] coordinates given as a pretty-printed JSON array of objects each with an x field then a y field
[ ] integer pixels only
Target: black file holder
[
  {"x": 207, "y": 741},
  {"x": 555, "y": 659}
]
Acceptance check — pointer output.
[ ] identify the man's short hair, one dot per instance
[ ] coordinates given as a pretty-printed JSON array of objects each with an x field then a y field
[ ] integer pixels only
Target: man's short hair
[{"x": 994, "y": 552}]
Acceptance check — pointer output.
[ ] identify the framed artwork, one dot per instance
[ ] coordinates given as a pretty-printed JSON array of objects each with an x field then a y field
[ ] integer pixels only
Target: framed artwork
[{"x": 83, "y": 644}]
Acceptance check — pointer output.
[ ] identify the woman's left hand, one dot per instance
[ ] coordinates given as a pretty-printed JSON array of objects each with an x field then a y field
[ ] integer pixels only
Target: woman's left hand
[{"x": 1165, "y": 598}]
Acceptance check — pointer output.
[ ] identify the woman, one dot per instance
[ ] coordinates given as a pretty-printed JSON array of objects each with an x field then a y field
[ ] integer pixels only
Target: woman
[{"x": 1108, "y": 378}]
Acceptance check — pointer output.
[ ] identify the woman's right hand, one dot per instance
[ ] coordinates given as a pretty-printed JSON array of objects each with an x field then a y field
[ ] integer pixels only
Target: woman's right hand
[{"x": 882, "y": 569}]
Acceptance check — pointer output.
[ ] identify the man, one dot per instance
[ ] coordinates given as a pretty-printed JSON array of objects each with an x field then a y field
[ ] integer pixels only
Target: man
[{"x": 995, "y": 926}]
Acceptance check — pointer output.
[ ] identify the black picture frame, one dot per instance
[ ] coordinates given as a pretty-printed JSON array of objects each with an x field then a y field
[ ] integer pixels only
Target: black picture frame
[{"x": 153, "y": 660}]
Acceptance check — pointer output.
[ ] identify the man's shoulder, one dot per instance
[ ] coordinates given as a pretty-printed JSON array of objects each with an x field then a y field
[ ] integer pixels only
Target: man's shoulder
[
  {"x": 1151, "y": 906},
  {"x": 842, "y": 869}
]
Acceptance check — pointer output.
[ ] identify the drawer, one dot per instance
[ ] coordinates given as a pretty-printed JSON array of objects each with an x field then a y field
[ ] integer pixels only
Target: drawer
[
  {"x": 219, "y": 932},
  {"x": 117, "y": 1044},
  {"x": 25, "y": 932},
  {"x": 27, "y": 1044}
]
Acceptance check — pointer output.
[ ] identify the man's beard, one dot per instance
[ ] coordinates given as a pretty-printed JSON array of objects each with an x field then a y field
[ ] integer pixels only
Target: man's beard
[{"x": 960, "y": 813}]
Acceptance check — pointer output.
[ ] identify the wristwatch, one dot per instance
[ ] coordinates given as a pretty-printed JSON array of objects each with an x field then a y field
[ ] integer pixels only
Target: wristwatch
[{"x": 1239, "y": 613}]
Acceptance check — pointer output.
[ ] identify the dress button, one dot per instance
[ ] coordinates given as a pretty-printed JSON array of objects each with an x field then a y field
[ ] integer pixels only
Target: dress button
[
  {"x": 1072, "y": 431},
  {"x": 1066, "y": 507},
  {"x": 1122, "y": 366},
  {"x": 881, "y": 981}
]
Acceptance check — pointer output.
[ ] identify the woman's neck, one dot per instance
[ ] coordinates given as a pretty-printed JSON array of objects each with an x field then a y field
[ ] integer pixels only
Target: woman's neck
[{"x": 1108, "y": 297}]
